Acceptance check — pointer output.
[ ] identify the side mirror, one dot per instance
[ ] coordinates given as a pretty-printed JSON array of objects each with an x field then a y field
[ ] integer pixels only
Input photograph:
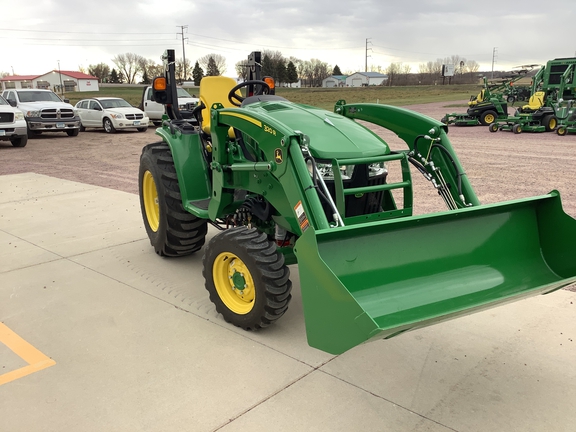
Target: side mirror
[
  {"x": 66, "y": 100},
  {"x": 98, "y": 108}
]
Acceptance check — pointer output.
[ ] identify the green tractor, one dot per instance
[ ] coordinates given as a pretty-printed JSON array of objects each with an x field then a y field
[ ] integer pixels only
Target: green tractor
[
  {"x": 491, "y": 104},
  {"x": 553, "y": 84},
  {"x": 285, "y": 184}
]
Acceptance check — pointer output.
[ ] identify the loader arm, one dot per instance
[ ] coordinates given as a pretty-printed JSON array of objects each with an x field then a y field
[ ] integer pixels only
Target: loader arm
[{"x": 428, "y": 145}]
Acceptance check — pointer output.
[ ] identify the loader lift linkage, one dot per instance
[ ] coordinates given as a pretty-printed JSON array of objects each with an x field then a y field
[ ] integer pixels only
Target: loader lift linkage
[{"x": 292, "y": 184}]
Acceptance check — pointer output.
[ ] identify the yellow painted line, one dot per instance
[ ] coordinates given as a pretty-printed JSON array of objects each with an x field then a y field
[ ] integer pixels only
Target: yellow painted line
[
  {"x": 35, "y": 359},
  {"x": 243, "y": 117}
]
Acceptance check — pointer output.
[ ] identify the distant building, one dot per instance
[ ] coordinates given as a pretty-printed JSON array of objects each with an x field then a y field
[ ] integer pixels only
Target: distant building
[
  {"x": 70, "y": 80},
  {"x": 360, "y": 79},
  {"x": 334, "y": 81}
]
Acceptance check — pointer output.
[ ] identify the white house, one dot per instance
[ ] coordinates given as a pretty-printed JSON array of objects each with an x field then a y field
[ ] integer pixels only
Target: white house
[
  {"x": 360, "y": 79},
  {"x": 334, "y": 81},
  {"x": 70, "y": 80}
]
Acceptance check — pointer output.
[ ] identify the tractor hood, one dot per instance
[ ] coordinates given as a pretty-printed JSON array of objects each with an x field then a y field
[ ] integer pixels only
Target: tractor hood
[{"x": 331, "y": 135}]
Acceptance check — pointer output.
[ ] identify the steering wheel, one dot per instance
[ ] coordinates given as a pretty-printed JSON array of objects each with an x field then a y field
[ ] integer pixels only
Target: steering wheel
[{"x": 236, "y": 100}]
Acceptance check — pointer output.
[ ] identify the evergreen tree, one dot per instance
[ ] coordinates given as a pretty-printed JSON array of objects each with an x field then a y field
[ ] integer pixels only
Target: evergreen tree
[
  {"x": 114, "y": 77},
  {"x": 212, "y": 69},
  {"x": 282, "y": 73},
  {"x": 291, "y": 73},
  {"x": 121, "y": 78},
  {"x": 197, "y": 74},
  {"x": 267, "y": 67},
  {"x": 336, "y": 71},
  {"x": 145, "y": 79}
]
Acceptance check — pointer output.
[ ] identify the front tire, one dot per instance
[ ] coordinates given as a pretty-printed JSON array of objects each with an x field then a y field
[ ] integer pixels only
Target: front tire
[
  {"x": 20, "y": 141},
  {"x": 108, "y": 126},
  {"x": 561, "y": 131},
  {"x": 171, "y": 229},
  {"x": 246, "y": 278},
  {"x": 517, "y": 129},
  {"x": 72, "y": 132},
  {"x": 142, "y": 129},
  {"x": 493, "y": 127}
]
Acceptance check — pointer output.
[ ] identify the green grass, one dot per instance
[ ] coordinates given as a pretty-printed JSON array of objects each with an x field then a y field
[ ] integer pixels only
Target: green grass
[
  {"x": 325, "y": 97},
  {"x": 131, "y": 94}
]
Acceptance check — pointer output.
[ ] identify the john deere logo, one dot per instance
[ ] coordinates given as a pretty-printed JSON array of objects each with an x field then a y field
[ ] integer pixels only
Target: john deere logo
[{"x": 278, "y": 156}]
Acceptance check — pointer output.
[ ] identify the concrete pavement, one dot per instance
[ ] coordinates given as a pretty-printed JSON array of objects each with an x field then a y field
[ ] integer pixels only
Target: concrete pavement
[{"x": 99, "y": 333}]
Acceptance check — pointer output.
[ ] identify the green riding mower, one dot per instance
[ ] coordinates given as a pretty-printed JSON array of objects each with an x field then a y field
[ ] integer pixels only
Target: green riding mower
[
  {"x": 284, "y": 184},
  {"x": 566, "y": 117},
  {"x": 533, "y": 117}
]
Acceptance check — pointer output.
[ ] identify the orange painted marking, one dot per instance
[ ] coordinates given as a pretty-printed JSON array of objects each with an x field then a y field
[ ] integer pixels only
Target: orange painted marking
[{"x": 35, "y": 359}]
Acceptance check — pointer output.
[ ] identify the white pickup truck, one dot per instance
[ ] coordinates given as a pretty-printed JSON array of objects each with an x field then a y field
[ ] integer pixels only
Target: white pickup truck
[
  {"x": 44, "y": 111},
  {"x": 155, "y": 111},
  {"x": 12, "y": 124}
]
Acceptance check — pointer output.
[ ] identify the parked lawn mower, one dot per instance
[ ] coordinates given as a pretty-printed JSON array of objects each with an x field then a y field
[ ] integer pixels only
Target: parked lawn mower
[
  {"x": 534, "y": 117},
  {"x": 491, "y": 104},
  {"x": 550, "y": 85},
  {"x": 566, "y": 117},
  {"x": 283, "y": 183}
]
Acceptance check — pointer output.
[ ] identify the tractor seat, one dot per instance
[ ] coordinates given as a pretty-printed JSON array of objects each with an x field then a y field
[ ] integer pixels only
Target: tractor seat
[
  {"x": 479, "y": 98},
  {"x": 535, "y": 103},
  {"x": 215, "y": 89}
]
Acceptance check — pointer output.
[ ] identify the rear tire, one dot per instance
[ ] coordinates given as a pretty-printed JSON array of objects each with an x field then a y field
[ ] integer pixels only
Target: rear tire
[
  {"x": 517, "y": 129},
  {"x": 550, "y": 122},
  {"x": 511, "y": 99},
  {"x": 171, "y": 229},
  {"x": 82, "y": 128},
  {"x": 246, "y": 278},
  {"x": 20, "y": 141},
  {"x": 488, "y": 117}
]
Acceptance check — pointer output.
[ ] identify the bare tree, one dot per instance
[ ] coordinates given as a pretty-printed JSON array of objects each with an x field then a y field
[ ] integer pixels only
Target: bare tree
[
  {"x": 130, "y": 65},
  {"x": 180, "y": 70},
  {"x": 218, "y": 59},
  {"x": 241, "y": 69}
]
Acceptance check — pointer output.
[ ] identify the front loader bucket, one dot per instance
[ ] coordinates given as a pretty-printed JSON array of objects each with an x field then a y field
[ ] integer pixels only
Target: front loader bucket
[{"x": 377, "y": 280}]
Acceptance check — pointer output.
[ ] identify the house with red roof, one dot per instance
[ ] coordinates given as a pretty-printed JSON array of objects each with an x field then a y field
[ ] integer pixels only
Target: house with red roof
[{"x": 54, "y": 80}]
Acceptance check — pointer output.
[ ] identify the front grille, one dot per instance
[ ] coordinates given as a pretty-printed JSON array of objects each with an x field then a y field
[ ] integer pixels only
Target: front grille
[
  {"x": 57, "y": 113},
  {"x": 6, "y": 117},
  {"x": 134, "y": 116}
]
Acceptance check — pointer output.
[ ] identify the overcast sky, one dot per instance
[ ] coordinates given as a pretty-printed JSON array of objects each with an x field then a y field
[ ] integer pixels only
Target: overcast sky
[{"x": 35, "y": 37}]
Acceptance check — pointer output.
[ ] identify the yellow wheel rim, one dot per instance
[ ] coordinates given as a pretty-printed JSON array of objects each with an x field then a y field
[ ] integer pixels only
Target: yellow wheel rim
[
  {"x": 552, "y": 124},
  {"x": 150, "y": 198},
  {"x": 489, "y": 119},
  {"x": 234, "y": 283}
]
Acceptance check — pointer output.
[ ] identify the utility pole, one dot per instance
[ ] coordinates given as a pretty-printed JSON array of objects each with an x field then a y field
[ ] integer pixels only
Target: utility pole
[
  {"x": 494, "y": 53},
  {"x": 366, "y": 62},
  {"x": 183, "y": 50},
  {"x": 60, "y": 73}
]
